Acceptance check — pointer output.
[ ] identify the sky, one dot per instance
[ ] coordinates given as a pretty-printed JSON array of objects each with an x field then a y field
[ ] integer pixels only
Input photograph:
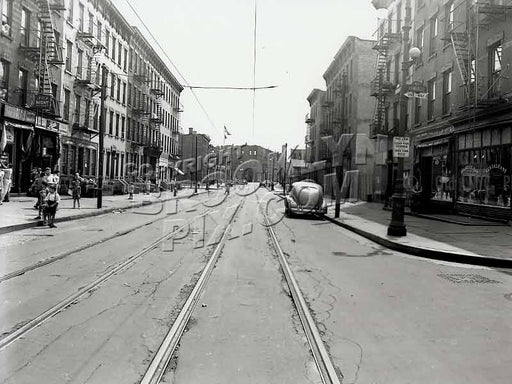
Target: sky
[{"x": 211, "y": 43}]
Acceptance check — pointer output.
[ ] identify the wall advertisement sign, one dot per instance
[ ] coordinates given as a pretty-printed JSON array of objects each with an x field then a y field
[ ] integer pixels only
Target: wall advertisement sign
[{"x": 401, "y": 146}]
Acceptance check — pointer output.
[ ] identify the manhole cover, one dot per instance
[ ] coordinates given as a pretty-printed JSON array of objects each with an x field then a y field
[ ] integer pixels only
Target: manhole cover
[{"x": 461, "y": 278}]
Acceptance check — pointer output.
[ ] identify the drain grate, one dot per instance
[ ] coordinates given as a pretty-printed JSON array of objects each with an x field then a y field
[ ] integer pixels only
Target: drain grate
[{"x": 465, "y": 278}]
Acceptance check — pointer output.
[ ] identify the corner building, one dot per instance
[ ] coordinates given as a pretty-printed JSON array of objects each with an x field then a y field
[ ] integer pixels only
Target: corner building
[{"x": 462, "y": 131}]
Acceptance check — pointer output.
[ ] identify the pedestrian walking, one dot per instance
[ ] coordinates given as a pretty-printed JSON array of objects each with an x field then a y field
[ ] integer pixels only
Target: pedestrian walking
[
  {"x": 148, "y": 187},
  {"x": 131, "y": 189},
  {"x": 76, "y": 189},
  {"x": 51, "y": 200},
  {"x": 228, "y": 186}
]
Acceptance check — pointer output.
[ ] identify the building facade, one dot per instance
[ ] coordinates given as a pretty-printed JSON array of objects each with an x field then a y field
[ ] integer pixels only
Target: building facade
[
  {"x": 31, "y": 64},
  {"x": 53, "y": 55},
  {"x": 462, "y": 131},
  {"x": 460, "y": 124},
  {"x": 153, "y": 113},
  {"x": 344, "y": 108}
]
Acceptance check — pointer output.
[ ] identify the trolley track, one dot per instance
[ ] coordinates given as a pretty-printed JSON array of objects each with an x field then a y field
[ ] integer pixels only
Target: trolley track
[
  {"x": 326, "y": 370},
  {"x": 163, "y": 356},
  {"x": 10, "y": 337},
  {"x": 81, "y": 248}
]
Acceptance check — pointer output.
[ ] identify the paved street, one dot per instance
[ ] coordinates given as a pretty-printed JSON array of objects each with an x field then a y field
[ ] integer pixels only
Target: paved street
[{"x": 383, "y": 316}]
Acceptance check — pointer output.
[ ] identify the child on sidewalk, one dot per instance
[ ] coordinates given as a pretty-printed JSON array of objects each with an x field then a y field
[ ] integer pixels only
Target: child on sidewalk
[
  {"x": 76, "y": 188},
  {"x": 52, "y": 200}
]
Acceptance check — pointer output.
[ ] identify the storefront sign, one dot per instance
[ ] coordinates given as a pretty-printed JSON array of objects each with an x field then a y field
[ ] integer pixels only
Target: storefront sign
[
  {"x": 435, "y": 133},
  {"x": 17, "y": 113},
  {"x": 496, "y": 168},
  {"x": 47, "y": 124},
  {"x": 416, "y": 89},
  {"x": 401, "y": 146}
]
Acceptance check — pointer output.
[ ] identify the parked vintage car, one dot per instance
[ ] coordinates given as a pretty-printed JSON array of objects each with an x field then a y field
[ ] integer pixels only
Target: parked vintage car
[{"x": 305, "y": 197}]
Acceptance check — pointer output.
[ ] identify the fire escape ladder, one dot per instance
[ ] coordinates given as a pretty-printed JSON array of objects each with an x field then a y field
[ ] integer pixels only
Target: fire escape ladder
[
  {"x": 159, "y": 108},
  {"x": 377, "y": 85},
  {"x": 48, "y": 34},
  {"x": 460, "y": 46}
]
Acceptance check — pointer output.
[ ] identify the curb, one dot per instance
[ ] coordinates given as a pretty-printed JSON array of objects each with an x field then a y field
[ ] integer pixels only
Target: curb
[
  {"x": 427, "y": 253},
  {"x": 38, "y": 223}
]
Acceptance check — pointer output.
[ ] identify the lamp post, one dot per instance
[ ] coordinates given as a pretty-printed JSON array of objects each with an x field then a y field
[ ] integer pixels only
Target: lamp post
[{"x": 397, "y": 225}]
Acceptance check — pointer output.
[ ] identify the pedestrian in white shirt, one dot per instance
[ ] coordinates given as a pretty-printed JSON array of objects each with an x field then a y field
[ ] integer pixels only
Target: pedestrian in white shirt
[{"x": 52, "y": 200}]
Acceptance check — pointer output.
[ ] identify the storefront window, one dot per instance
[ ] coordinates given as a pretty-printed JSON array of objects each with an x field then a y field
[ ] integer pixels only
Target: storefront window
[
  {"x": 484, "y": 176},
  {"x": 443, "y": 183}
]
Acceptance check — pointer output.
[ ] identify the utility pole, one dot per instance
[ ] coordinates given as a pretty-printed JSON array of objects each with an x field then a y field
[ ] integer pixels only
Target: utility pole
[
  {"x": 397, "y": 226},
  {"x": 101, "y": 149},
  {"x": 197, "y": 167}
]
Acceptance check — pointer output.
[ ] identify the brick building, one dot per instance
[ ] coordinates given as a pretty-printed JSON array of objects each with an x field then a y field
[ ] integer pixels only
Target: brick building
[
  {"x": 345, "y": 108},
  {"x": 51, "y": 111},
  {"x": 460, "y": 131},
  {"x": 194, "y": 146},
  {"x": 30, "y": 78},
  {"x": 153, "y": 111}
]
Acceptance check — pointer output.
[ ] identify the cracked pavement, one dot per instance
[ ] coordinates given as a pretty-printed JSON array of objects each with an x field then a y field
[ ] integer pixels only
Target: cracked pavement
[{"x": 387, "y": 317}]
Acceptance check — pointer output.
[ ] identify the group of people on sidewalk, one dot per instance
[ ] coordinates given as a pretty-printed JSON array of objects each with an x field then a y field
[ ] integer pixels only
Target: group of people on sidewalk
[{"x": 45, "y": 186}]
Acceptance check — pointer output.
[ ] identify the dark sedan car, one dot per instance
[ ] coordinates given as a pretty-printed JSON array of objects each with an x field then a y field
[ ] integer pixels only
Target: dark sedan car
[{"x": 305, "y": 197}]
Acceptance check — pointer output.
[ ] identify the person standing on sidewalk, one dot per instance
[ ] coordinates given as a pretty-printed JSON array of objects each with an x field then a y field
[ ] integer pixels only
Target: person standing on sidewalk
[
  {"x": 131, "y": 189},
  {"x": 52, "y": 200},
  {"x": 76, "y": 188},
  {"x": 38, "y": 188}
]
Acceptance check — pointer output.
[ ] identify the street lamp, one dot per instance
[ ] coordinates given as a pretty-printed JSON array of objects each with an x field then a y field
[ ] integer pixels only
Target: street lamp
[{"x": 397, "y": 225}]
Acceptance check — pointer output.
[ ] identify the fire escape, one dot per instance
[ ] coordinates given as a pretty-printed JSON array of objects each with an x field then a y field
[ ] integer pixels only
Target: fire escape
[
  {"x": 156, "y": 118},
  {"x": 45, "y": 53},
  {"x": 87, "y": 82},
  {"x": 380, "y": 86},
  {"x": 481, "y": 91}
]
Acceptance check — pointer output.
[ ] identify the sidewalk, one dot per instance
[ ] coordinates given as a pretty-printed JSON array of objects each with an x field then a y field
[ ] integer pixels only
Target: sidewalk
[
  {"x": 19, "y": 212},
  {"x": 479, "y": 243}
]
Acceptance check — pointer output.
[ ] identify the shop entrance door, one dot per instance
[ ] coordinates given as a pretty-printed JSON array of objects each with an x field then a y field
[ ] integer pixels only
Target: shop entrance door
[
  {"x": 426, "y": 180},
  {"x": 81, "y": 160}
]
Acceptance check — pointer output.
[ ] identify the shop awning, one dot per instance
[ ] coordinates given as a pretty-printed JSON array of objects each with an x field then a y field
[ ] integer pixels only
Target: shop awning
[{"x": 28, "y": 127}]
